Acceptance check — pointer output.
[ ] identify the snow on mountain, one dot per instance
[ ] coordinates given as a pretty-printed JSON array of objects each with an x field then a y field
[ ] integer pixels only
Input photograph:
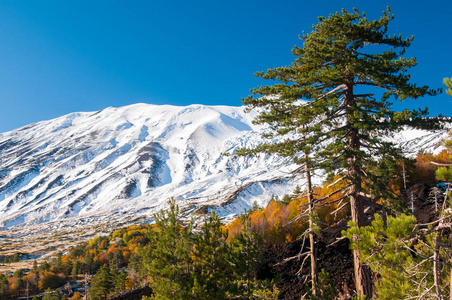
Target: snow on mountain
[{"x": 131, "y": 160}]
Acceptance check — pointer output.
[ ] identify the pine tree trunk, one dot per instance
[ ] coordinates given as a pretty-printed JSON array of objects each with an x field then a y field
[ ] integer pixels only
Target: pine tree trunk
[
  {"x": 313, "y": 253},
  {"x": 363, "y": 279}
]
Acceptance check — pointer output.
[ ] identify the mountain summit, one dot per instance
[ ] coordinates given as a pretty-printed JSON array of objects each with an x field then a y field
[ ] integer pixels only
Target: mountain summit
[{"x": 132, "y": 159}]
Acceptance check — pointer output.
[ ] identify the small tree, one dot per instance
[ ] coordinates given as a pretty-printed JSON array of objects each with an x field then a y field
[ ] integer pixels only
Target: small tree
[
  {"x": 75, "y": 269},
  {"x": 212, "y": 269},
  {"x": 4, "y": 286},
  {"x": 409, "y": 257},
  {"x": 102, "y": 283},
  {"x": 246, "y": 255},
  {"x": 166, "y": 259}
]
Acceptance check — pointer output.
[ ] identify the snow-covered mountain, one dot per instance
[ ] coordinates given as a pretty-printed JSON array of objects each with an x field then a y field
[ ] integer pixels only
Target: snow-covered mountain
[{"x": 131, "y": 160}]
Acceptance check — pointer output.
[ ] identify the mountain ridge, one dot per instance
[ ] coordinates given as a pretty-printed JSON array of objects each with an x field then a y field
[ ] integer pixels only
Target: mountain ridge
[{"x": 131, "y": 159}]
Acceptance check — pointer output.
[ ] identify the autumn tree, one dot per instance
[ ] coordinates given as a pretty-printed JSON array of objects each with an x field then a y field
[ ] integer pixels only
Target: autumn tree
[{"x": 348, "y": 85}]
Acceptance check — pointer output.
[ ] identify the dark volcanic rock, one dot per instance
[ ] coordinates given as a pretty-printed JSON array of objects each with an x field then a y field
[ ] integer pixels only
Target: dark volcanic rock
[
  {"x": 334, "y": 256},
  {"x": 133, "y": 294}
]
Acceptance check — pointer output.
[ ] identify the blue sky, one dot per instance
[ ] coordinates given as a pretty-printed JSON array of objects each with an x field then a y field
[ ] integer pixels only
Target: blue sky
[{"x": 58, "y": 57}]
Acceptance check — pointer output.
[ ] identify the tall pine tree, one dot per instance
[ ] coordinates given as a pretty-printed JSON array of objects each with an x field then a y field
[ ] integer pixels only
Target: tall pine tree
[{"x": 348, "y": 71}]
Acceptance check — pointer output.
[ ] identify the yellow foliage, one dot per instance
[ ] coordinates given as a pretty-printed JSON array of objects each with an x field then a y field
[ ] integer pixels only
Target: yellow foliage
[
  {"x": 234, "y": 228},
  {"x": 129, "y": 283},
  {"x": 66, "y": 259},
  {"x": 94, "y": 241}
]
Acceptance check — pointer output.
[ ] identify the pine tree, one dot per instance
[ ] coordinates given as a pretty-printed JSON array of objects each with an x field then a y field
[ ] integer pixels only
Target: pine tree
[
  {"x": 382, "y": 246},
  {"x": 4, "y": 286},
  {"x": 35, "y": 266},
  {"x": 167, "y": 259},
  {"x": 88, "y": 263},
  {"x": 212, "y": 269},
  {"x": 75, "y": 269},
  {"x": 344, "y": 123},
  {"x": 120, "y": 278},
  {"x": 102, "y": 283},
  {"x": 246, "y": 255},
  {"x": 411, "y": 259}
]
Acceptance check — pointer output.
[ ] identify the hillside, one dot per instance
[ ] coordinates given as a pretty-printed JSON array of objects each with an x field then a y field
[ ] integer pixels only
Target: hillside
[{"x": 127, "y": 161}]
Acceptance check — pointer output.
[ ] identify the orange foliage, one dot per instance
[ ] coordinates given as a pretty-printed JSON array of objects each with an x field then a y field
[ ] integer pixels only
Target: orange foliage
[
  {"x": 424, "y": 170},
  {"x": 129, "y": 283},
  {"x": 272, "y": 223},
  {"x": 234, "y": 228},
  {"x": 14, "y": 287},
  {"x": 277, "y": 223},
  {"x": 32, "y": 279},
  {"x": 113, "y": 248},
  {"x": 76, "y": 296},
  {"x": 126, "y": 254},
  {"x": 332, "y": 203},
  {"x": 50, "y": 280},
  {"x": 103, "y": 259}
]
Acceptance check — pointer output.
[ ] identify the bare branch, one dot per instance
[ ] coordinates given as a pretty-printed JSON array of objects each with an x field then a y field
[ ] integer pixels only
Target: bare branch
[
  {"x": 302, "y": 264},
  {"x": 337, "y": 241},
  {"x": 336, "y": 181},
  {"x": 365, "y": 195},
  {"x": 328, "y": 196},
  {"x": 299, "y": 255},
  {"x": 335, "y": 201},
  {"x": 440, "y": 164},
  {"x": 427, "y": 232},
  {"x": 338, "y": 209}
]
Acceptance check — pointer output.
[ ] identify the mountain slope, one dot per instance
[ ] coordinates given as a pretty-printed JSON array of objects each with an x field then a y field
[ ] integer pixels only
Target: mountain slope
[{"x": 131, "y": 159}]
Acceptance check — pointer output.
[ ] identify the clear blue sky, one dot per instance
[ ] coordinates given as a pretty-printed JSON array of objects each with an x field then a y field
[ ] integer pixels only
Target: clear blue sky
[{"x": 58, "y": 57}]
